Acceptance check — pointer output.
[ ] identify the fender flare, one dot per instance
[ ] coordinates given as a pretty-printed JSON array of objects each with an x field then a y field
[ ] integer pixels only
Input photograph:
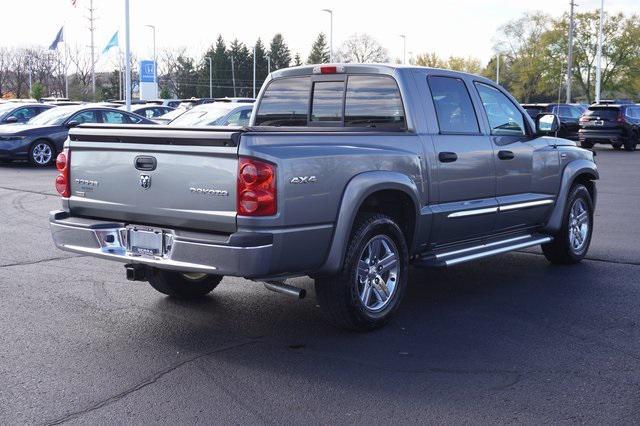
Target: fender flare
[
  {"x": 356, "y": 191},
  {"x": 572, "y": 171}
]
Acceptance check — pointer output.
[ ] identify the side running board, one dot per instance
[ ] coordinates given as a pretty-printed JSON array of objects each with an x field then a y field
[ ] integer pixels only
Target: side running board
[{"x": 467, "y": 254}]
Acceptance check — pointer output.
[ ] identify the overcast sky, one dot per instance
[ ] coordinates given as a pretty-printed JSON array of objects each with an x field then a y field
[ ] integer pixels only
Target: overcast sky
[{"x": 449, "y": 27}]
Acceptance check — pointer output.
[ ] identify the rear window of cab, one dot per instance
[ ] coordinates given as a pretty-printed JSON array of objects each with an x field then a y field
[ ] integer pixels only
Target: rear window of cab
[{"x": 371, "y": 101}]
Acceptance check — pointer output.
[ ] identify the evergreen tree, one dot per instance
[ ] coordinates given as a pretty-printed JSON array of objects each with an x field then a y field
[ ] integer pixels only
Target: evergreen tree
[
  {"x": 243, "y": 70},
  {"x": 279, "y": 53},
  {"x": 319, "y": 51},
  {"x": 297, "y": 61}
]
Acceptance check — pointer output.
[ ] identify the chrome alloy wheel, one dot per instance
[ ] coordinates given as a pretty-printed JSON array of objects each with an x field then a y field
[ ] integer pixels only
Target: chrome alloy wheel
[
  {"x": 377, "y": 274},
  {"x": 578, "y": 225},
  {"x": 42, "y": 153}
]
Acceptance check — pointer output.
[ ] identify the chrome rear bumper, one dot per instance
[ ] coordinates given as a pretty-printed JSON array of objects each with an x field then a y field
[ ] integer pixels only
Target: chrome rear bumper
[{"x": 188, "y": 251}]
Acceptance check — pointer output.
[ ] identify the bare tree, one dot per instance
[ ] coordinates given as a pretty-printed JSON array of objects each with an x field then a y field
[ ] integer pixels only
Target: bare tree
[{"x": 362, "y": 48}]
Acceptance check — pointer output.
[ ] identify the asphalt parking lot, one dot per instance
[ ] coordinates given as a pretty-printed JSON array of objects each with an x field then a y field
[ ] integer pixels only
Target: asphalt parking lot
[{"x": 507, "y": 339}]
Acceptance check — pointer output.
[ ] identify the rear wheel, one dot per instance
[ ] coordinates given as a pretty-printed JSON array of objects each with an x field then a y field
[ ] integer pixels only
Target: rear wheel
[
  {"x": 631, "y": 143},
  {"x": 571, "y": 243},
  {"x": 369, "y": 289},
  {"x": 182, "y": 285},
  {"x": 586, "y": 144},
  {"x": 41, "y": 153}
]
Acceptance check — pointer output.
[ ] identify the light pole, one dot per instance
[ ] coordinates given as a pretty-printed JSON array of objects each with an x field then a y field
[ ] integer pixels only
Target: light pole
[
  {"x": 254, "y": 71},
  {"x": 599, "y": 55},
  {"x": 155, "y": 66},
  {"x": 404, "y": 48},
  {"x": 127, "y": 58},
  {"x": 570, "y": 53},
  {"x": 330, "y": 12},
  {"x": 210, "y": 77}
]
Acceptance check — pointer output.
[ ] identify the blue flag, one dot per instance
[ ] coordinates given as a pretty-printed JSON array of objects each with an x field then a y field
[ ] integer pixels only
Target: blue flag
[
  {"x": 112, "y": 43},
  {"x": 59, "y": 38}
]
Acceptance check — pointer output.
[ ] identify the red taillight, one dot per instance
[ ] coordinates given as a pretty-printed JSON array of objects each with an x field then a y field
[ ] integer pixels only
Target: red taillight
[
  {"x": 63, "y": 163},
  {"x": 328, "y": 69},
  {"x": 620, "y": 118},
  {"x": 256, "y": 188},
  {"x": 584, "y": 119}
]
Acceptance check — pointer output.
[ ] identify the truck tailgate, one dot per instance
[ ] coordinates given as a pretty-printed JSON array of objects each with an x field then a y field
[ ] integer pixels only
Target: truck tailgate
[{"x": 156, "y": 175}]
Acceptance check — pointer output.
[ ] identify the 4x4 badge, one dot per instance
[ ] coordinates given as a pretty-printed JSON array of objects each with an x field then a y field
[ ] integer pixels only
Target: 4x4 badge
[{"x": 145, "y": 181}]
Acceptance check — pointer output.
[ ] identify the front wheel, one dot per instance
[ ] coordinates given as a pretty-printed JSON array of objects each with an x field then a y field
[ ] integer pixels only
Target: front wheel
[
  {"x": 586, "y": 144},
  {"x": 182, "y": 285},
  {"x": 369, "y": 289},
  {"x": 571, "y": 243},
  {"x": 41, "y": 153}
]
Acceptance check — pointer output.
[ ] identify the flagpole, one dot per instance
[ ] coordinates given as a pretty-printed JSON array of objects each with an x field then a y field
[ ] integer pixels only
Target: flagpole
[{"x": 66, "y": 71}]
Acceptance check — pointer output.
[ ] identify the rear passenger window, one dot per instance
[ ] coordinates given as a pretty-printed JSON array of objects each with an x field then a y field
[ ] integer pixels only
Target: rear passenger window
[
  {"x": 454, "y": 109},
  {"x": 373, "y": 101},
  {"x": 327, "y": 101},
  {"x": 285, "y": 103}
]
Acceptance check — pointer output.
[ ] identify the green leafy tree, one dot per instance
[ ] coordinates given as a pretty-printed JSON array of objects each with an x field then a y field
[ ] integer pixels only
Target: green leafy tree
[
  {"x": 279, "y": 53},
  {"x": 319, "y": 51}
]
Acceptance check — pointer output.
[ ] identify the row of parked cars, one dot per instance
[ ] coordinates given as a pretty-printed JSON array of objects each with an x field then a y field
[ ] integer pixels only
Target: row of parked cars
[
  {"x": 612, "y": 122},
  {"x": 36, "y": 131}
]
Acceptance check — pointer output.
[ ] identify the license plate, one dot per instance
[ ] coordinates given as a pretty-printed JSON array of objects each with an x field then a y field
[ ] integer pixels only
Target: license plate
[
  {"x": 145, "y": 242},
  {"x": 599, "y": 123}
]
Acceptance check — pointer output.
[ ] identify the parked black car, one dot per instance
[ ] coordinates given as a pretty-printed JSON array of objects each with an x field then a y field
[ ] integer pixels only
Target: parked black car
[
  {"x": 615, "y": 124},
  {"x": 19, "y": 112},
  {"x": 568, "y": 114},
  {"x": 42, "y": 137}
]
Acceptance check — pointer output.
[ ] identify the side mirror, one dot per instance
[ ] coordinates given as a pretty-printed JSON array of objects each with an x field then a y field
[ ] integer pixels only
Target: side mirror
[
  {"x": 12, "y": 119},
  {"x": 547, "y": 124},
  {"x": 72, "y": 123}
]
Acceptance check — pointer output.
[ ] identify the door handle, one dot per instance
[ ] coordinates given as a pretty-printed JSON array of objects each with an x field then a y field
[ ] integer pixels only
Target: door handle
[
  {"x": 447, "y": 157},
  {"x": 506, "y": 155},
  {"x": 145, "y": 163}
]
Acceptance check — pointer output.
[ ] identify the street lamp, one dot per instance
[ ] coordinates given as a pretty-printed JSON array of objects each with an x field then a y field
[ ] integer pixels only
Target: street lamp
[
  {"x": 330, "y": 12},
  {"x": 155, "y": 73},
  {"x": 210, "y": 77},
  {"x": 599, "y": 54},
  {"x": 404, "y": 48}
]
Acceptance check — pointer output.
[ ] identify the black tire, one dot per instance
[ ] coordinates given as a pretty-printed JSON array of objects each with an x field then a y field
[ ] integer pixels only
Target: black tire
[
  {"x": 561, "y": 250},
  {"x": 180, "y": 285},
  {"x": 617, "y": 147},
  {"x": 631, "y": 143},
  {"x": 586, "y": 144},
  {"x": 339, "y": 296},
  {"x": 42, "y": 153}
]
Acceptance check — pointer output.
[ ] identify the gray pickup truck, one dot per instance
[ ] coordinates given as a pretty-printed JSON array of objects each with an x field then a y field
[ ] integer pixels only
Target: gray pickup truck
[{"x": 347, "y": 173}]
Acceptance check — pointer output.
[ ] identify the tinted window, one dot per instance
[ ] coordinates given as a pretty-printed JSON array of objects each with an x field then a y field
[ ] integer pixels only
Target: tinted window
[
  {"x": 114, "y": 117},
  {"x": 504, "y": 117},
  {"x": 25, "y": 114},
  {"x": 603, "y": 112},
  {"x": 533, "y": 112},
  {"x": 239, "y": 118},
  {"x": 453, "y": 105},
  {"x": 633, "y": 112},
  {"x": 327, "y": 101},
  {"x": 373, "y": 101},
  {"x": 566, "y": 111},
  {"x": 285, "y": 103},
  {"x": 85, "y": 117}
]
